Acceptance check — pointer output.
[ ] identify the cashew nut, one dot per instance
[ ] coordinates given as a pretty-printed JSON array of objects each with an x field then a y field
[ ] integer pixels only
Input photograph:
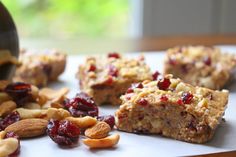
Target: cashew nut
[{"x": 106, "y": 142}]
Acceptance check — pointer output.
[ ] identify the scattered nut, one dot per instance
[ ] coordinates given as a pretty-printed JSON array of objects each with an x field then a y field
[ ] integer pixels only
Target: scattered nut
[
  {"x": 83, "y": 122},
  {"x": 28, "y": 127},
  {"x": 3, "y": 84},
  {"x": 52, "y": 94},
  {"x": 29, "y": 113},
  {"x": 31, "y": 105},
  {"x": 99, "y": 130},
  {"x": 7, "y": 107},
  {"x": 8, "y": 146},
  {"x": 4, "y": 97},
  {"x": 106, "y": 142},
  {"x": 58, "y": 114},
  {"x": 2, "y": 134}
]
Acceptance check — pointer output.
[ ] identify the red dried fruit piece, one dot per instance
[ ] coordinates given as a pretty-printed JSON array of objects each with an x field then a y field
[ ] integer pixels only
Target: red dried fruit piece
[
  {"x": 63, "y": 132},
  {"x": 110, "y": 120},
  {"x": 155, "y": 75},
  {"x": 82, "y": 105},
  {"x": 142, "y": 102},
  {"x": 207, "y": 60},
  {"x": 187, "y": 98},
  {"x": 163, "y": 84},
  {"x": 172, "y": 61},
  {"x": 137, "y": 85},
  {"x": 113, "y": 55},
  {"x": 130, "y": 90},
  {"x": 164, "y": 98},
  {"x": 133, "y": 86},
  {"x": 13, "y": 135},
  {"x": 92, "y": 68},
  {"x": 20, "y": 92},
  {"x": 180, "y": 102},
  {"x": 113, "y": 71},
  {"x": 9, "y": 119}
]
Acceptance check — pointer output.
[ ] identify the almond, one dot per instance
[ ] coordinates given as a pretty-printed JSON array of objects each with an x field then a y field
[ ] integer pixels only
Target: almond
[
  {"x": 28, "y": 127},
  {"x": 99, "y": 130}
]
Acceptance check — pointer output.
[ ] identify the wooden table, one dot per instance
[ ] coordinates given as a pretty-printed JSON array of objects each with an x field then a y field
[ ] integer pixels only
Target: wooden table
[{"x": 88, "y": 46}]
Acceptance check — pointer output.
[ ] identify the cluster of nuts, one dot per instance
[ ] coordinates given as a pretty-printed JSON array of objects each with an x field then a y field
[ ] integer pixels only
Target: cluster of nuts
[{"x": 29, "y": 112}]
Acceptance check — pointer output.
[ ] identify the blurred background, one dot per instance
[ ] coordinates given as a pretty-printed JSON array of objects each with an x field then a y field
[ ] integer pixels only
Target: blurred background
[{"x": 99, "y": 26}]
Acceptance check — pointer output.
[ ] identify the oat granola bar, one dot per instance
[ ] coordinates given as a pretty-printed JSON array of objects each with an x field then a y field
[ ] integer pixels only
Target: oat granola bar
[
  {"x": 199, "y": 65},
  {"x": 172, "y": 108},
  {"x": 106, "y": 78},
  {"x": 40, "y": 68}
]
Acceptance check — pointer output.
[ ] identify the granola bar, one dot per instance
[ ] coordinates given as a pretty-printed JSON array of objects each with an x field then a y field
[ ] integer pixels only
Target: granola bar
[
  {"x": 172, "y": 108},
  {"x": 106, "y": 78},
  {"x": 200, "y": 66},
  {"x": 40, "y": 68}
]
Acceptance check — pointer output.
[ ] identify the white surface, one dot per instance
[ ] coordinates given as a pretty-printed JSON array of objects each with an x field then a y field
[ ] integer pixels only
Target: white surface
[{"x": 132, "y": 144}]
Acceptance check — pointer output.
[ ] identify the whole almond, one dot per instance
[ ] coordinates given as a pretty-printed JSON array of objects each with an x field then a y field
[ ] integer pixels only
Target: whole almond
[
  {"x": 28, "y": 127},
  {"x": 99, "y": 130}
]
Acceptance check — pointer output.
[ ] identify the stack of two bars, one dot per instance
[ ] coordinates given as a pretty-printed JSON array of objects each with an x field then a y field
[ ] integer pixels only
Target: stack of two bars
[{"x": 159, "y": 104}]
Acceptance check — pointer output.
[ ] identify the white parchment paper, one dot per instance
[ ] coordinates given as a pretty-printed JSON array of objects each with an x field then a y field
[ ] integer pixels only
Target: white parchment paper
[{"x": 132, "y": 144}]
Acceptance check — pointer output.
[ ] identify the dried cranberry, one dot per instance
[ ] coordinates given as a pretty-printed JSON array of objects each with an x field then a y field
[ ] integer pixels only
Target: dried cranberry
[
  {"x": 19, "y": 91},
  {"x": 187, "y": 98},
  {"x": 63, "y": 132},
  {"x": 9, "y": 119},
  {"x": 164, "y": 98},
  {"x": 137, "y": 85},
  {"x": 207, "y": 60},
  {"x": 163, "y": 84},
  {"x": 47, "y": 69},
  {"x": 130, "y": 90},
  {"x": 143, "y": 102},
  {"x": 172, "y": 61},
  {"x": 180, "y": 102},
  {"x": 92, "y": 68},
  {"x": 113, "y": 71},
  {"x": 82, "y": 105},
  {"x": 155, "y": 75},
  {"x": 110, "y": 120},
  {"x": 13, "y": 135},
  {"x": 113, "y": 55},
  {"x": 185, "y": 68}
]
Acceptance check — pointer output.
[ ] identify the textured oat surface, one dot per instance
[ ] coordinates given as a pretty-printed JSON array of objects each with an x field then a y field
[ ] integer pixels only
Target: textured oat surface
[
  {"x": 111, "y": 77},
  {"x": 202, "y": 66},
  {"x": 39, "y": 68},
  {"x": 194, "y": 121}
]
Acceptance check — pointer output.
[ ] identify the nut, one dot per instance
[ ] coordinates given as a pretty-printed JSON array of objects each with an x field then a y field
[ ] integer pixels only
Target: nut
[
  {"x": 2, "y": 134},
  {"x": 4, "y": 97},
  {"x": 83, "y": 122},
  {"x": 31, "y": 105},
  {"x": 106, "y": 142},
  {"x": 8, "y": 146},
  {"x": 7, "y": 107},
  {"x": 52, "y": 94},
  {"x": 28, "y": 127},
  {"x": 58, "y": 114},
  {"x": 99, "y": 130},
  {"x": 28, "y": 113},
  {"x": 3, "y": 84}
]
